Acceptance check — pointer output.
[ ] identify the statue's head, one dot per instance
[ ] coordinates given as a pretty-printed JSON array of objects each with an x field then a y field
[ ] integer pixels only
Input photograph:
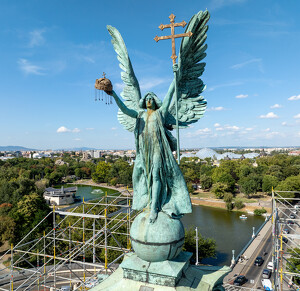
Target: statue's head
[{"x": 150, "y": 101}]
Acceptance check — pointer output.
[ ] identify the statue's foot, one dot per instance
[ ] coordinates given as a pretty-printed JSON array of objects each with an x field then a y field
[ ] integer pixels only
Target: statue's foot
[{"x": 153, "y": 216}]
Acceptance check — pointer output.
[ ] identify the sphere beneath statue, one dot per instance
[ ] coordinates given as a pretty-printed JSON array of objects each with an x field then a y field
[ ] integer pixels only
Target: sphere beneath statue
[{"x": 158, "y": 241}]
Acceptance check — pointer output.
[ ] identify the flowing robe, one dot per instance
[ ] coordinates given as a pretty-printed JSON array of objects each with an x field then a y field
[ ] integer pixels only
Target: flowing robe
[{"x": 155, "y": 161}]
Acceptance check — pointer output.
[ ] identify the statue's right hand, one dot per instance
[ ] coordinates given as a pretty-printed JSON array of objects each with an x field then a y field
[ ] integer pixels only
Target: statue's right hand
[{"x": 109, "y": 92}]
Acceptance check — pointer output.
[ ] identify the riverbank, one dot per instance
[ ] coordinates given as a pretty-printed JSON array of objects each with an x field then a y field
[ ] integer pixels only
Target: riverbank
[
  {"x": 249, "y": 207},
  {"x": 210, "y": 202}
]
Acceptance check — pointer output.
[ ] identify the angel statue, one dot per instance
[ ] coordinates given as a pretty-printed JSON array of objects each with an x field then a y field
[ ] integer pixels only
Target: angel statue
[{"x": 158, "y": 183}]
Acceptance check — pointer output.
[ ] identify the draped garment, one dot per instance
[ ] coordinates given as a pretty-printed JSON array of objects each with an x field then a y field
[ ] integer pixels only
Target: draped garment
[{"x": 155, "y": 161}]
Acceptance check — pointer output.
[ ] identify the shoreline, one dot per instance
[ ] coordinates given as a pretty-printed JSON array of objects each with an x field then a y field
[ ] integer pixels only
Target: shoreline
[{"x": 249, "y": 207}]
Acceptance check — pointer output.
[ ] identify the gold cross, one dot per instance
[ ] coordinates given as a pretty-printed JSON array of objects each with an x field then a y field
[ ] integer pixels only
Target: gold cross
[
  {"x": 104, "y": 75},
  {"x": 172, "y": 25}
]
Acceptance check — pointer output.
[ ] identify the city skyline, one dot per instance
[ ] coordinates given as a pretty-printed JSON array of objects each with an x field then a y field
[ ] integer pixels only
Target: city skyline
[{"x": 52, "y": 54}]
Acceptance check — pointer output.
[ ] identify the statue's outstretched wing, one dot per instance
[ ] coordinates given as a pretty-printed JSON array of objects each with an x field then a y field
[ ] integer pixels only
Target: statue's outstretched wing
[
  {"x": 191, "y": 106},
  {"x": 131, "y": 92}
]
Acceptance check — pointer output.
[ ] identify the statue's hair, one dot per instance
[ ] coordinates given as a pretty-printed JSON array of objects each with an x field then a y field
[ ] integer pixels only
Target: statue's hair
[{"x": 157, "y": 101}]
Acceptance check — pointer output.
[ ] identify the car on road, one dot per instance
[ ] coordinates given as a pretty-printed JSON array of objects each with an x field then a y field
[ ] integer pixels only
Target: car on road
[
  {"x": 270, "y": 266},
  {"x": 258, "y": 261},
  {"x": 65, "y": 288},
  {"x": 266, "y": 273},
  {"x": 267, "y": 284},
  {"x": 284, "y": 239},
  {"x": 292, "y": 216},
  {"x": 240, "y": 280},
  {"x": 290, "y": 222},
  {"x": 286, "y": 231}
]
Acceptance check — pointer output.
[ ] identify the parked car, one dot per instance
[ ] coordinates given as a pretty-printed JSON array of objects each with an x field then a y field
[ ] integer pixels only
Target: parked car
[
  {"x": 270, "y": 266},
  {"x": 258, "y": 261},
  {"x": 284, "y": 239},
  {"x": 266, "y": 273},
  {"x": 267, "y": 284},
  {"x": 290, "y": 222},
  {"x": 292, "y": 216},
  {"x": 65, "y": 288},
  {"x": 240, "y": 280}
]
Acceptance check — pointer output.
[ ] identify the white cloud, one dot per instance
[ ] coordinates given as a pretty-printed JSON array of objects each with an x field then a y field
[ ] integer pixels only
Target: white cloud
[
  {"x": 147, "y": 84},
  {"x": 90, "y": 128},
  {"x": 266, "y": 130},
  {"x": 217, "y": 125},
  {"x": 241, "y": 65},
  {"x": 284, "y": 123},
  {"x": 232, "y": 127},
  {"x": 28, "y": 68},
  {"x": 203, "y": 131},
  {"x": 294, "y": 98},
  {"x": 276, "y": 106},
  {"x": 219, "y": 108},
  {"x": 77, "y": 139},
  {"x": 114, "y": 128},
  {"x": 270, "y": 115},
  {"x": 36, "y": 37},
  {"x": 212, "y": 88},
  {"x": 62, "y": 129},
  {"x": 241, "y": 96},
  {"x": 297, "y": 116},
  {"x": 119, "y": 86},
  {"x": 219, "y": 128},
  {"x": 249, "y": 128}
]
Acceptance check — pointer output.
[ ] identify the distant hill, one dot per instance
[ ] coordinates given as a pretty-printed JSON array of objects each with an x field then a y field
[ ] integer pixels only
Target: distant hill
[
  {"x": 15, "y": 148},
  {"x": 76, "y": 149}
]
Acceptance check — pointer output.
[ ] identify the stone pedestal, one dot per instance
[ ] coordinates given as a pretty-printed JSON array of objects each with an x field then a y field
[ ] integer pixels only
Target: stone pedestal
[
  {"x": 166, "y": 273},
  {"x": 135, "y": 274}
]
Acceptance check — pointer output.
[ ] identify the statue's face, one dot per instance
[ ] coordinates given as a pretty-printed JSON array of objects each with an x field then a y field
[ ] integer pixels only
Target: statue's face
[{"x": 150, "y": 103}]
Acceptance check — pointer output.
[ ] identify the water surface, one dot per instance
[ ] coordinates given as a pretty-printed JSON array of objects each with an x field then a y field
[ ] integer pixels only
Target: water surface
[{"x": 225, "y": 227}]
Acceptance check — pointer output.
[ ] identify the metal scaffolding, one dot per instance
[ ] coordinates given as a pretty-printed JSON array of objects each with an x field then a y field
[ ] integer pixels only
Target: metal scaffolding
[
  {"x": 286, "y": 239},
  {"x": 83, "y": 246}
]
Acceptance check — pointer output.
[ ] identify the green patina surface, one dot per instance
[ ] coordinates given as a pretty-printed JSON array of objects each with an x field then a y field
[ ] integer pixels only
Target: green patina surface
[
  {"x": 157, "y": 180},
  {"x": 196, "y": 278},
  {"x": 158, "y": 241}
]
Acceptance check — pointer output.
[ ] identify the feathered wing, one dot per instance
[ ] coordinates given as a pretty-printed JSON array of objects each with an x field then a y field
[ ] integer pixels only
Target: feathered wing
[
  {"x": 131, "y": 92},
  {"x": 191, "y": 106}
]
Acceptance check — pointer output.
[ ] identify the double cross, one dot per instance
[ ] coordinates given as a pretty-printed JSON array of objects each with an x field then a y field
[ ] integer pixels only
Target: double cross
[{"x": 172, "y": 25}]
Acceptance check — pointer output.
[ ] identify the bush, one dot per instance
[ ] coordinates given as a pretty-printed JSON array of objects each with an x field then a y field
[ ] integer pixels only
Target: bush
[
  {"x": 228, "y": 197},
  {"x": 238, "y": 203},
  {"x": 260, "y": 212},
  {"x": 229, "y": 206},
  {"x": 190, "y": 188}
]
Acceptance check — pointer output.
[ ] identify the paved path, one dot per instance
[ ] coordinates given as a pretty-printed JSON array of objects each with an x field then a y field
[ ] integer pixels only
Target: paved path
[{"x": 243, "y": 266}]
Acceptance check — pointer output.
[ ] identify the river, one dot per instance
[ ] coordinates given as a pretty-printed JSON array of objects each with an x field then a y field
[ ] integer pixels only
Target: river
[{"x": 225, "y": 227}]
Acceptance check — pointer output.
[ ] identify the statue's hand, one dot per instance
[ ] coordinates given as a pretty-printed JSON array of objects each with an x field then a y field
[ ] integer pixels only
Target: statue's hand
[{"x": 109, "y": 92}]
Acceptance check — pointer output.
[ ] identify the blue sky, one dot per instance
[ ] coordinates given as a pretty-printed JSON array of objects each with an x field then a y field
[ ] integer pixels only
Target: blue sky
[{"x": 52, "y": 52}]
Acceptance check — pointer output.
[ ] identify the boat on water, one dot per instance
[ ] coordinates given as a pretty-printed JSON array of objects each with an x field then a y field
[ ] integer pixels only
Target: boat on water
[
  {"x": 97, "y": 191},
  {"x": 243, "y": 216}
]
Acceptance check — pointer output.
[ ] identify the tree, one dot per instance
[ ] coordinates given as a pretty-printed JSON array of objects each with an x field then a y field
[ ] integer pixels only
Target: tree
[
  {"x": 7, "y": 228},
  {"x": 219, "y": 189},
  {"x": 268, "y": 182},
  {"x": 206, "y": 246},
  {"x": 250, "y": 184},
  {"x": 294, "y": 263},
  {"x": 101, "y": 174},
  {"x": 206, "y": 182},
  {"x": 289, "y": 184}
]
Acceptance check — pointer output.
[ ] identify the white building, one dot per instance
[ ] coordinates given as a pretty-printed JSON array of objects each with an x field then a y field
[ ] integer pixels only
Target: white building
[{"x": 62, "y": 196}]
